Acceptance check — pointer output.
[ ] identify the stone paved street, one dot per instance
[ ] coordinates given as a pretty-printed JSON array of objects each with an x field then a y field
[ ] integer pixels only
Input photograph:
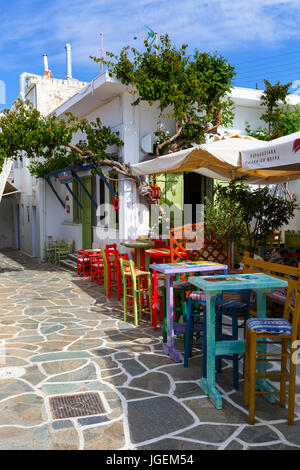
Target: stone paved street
[{"x": 61, "y": 336}]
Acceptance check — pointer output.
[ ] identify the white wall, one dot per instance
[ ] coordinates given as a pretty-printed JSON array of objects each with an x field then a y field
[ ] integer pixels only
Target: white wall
[
  {"x": 133, "y": 123},
  {"x": 248, "y": 114}
]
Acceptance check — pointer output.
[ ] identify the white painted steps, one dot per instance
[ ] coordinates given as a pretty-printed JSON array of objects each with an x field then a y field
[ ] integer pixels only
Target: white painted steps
[{"x": 70, "y": 263}]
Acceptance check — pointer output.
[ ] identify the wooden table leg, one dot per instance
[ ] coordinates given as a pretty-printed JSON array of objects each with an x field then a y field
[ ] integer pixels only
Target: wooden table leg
[
  {"x": 262, "y": 384},
  {"x": 168, "y": 347}
]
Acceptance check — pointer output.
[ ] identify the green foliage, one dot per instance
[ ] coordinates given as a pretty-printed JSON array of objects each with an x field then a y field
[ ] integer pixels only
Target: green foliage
[
  {"x": 222, "y": 218},
  {"x": 288, "y": 122},
  {"x": 259, "y": 133},
  {"x": 270, "y": 99},
  {"x": 256, "y": 213},
  {"x": 47, "y": 141},
  {"x": 192, "y": 89},
  {"x": 281, "y": 120}
]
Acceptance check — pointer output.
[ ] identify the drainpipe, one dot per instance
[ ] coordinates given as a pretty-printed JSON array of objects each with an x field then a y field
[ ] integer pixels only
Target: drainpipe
[
  {"x": 23, "y": 83},
  {"x": 69, "y": 61}
]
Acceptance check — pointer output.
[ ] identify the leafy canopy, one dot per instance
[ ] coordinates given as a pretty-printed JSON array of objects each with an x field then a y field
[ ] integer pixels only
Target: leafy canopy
[
  {"x": 287, "y": 123},
  {"x": 192, "y": 89},
  {"x": 47, "y": 141},
  {"x": 257, "y": 212},
  {"x": 282, "y": 119}
]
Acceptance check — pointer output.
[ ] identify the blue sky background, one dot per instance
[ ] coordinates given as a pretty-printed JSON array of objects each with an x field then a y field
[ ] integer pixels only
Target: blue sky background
[{"x": 260, "y": 38}]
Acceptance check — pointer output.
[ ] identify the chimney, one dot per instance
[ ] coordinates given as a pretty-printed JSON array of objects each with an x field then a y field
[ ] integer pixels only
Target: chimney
[
  {"x": 69, "y": 61},
  {"x": 47, "y": 72}
]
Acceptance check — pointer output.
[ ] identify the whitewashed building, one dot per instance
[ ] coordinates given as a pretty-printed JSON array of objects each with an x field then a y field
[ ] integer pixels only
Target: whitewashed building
[{"x": 36, "y": 213}]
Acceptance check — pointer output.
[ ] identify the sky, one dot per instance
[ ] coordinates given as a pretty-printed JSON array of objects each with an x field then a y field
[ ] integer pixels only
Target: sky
[{"x": 260, "y": 38}]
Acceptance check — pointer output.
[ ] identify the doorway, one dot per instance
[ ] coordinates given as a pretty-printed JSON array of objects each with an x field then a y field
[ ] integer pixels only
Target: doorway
[{"x": 196, "y": 189}]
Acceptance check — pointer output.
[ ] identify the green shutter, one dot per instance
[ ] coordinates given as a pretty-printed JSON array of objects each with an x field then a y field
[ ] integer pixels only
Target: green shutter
[
  {"x": 87, "y": 215},
  {"x": 171, "y": 185}
]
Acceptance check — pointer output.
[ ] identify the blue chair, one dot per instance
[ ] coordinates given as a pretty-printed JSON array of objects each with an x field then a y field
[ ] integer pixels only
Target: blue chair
[
  {"x": 196, "y": 323},
  {"x": 233, "y": 309}
]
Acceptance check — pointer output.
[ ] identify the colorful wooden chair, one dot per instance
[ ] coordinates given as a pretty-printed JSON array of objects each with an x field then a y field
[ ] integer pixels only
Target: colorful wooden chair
[
  {"x": 196, "y": 322},
  {"x": 50, "y": 251},
  {"x": 137, "y": 291},
  {"x": 83, "y": 262},
  {"x": 113, "y": 280},
  {"x": 235, "y": 310},
  {"x": 97, "y": 267},
  {"x": 284, "y": 332},
  {"x": 181, "y": 290},
  {"x": 63, "y": 250},
  {"x": 105, "y": 269}
]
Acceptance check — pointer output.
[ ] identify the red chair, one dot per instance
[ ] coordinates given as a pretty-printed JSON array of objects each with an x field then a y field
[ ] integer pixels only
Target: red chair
[
  {"x": 157, "y": 298},
  {"x": 114, "y": 282},
  {"x": 83, "y": 262},
  {"x": 97, "y": 267}
]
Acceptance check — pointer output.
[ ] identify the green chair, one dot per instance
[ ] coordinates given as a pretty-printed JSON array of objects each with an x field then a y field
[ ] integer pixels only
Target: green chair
[
  {"x": 63, "y": 250},
  {"x": 50, "y": 250}
]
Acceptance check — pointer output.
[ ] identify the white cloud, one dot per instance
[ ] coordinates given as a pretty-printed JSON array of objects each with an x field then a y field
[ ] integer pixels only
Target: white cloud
[{"x": 212, "y": 25}]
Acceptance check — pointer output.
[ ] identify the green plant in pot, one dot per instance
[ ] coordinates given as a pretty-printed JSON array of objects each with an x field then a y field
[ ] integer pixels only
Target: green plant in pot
[{"x": 239, "y": 211}]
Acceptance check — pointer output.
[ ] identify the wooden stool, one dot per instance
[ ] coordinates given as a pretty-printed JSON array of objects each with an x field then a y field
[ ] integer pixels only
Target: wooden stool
[
  {"x": 279, "y": 331},
  {"x": 137, "y": 291}
]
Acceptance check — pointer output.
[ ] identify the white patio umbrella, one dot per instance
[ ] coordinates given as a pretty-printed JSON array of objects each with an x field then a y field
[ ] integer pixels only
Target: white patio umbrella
[
  {"x": 278, "y": 154},
  {"x": 220, "y": 159}
]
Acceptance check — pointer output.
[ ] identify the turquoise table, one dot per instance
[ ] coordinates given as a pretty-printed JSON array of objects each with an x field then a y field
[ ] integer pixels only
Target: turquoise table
[{"x": 213, "y": 286}]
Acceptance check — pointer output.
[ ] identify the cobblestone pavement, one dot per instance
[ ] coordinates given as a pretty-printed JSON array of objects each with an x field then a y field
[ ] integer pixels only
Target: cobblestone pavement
[{"x": 60, "y": 336}]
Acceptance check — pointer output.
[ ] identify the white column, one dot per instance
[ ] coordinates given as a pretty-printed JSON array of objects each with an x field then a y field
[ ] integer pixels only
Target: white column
[{"x": 130, "y": 153}]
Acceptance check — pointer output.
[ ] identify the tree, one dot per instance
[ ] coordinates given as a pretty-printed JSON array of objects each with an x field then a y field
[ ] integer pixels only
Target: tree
[
  {"x": 255, "y": 212},
  {"x": 48, "y": 143},
  {"x": 192, "y": 89},
  {"x": 281, "y": 119},
  {"x": 270, "y": 99}
]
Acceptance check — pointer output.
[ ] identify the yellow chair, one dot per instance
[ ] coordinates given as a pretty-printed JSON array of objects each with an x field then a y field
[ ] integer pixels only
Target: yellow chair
[
  {"x": 282, "y": 331},
  {"x": 137, "y": 291}
]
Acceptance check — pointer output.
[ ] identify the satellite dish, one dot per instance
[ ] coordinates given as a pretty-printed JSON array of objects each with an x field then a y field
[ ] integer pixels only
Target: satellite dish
[{"x": 147, "y": 143}]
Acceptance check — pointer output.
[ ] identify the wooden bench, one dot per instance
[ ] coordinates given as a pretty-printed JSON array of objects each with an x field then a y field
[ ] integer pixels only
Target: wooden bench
[{"x": 288, "y": 273}]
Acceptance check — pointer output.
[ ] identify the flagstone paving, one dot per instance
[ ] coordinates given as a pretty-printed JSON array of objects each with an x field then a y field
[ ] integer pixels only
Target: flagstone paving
[{"x": 59, "y": 335}]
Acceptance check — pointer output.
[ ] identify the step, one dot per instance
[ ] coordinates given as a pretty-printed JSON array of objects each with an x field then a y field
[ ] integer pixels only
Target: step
[
  {"x": 73, "y": 257},
  {"x": 69, "y": 264}
]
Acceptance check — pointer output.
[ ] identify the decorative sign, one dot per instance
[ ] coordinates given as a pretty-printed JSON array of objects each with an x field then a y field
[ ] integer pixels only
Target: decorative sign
[
  {"x": 276, "y": 154},
  {"x": 65, "y": 177}
]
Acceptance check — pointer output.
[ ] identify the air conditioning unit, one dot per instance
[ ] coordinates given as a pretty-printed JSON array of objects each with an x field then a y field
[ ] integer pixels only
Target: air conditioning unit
[{"x": 147, "y": 143}]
